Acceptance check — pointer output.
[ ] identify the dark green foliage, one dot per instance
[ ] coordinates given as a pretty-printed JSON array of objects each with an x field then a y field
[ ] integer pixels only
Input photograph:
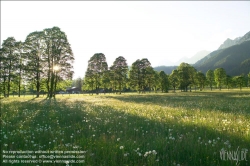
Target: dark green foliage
[
  {"x": 97, "y": 65},
  {"x": 210, "y": 78},
  {"x": 185, "y": 75},
  {"x": 9, "y": 61},
  {"x": 201, "y": 79},
  {"x": 240, "y": 81},
  {"x": 119, "y": 71},
  {"x": 34, "y": 51},
  {"x": 164, "y": 81},
  {"x": 174, "y": 79},
  {"x": 139, "y": 74},
  {"x": 220, "y": 77}
]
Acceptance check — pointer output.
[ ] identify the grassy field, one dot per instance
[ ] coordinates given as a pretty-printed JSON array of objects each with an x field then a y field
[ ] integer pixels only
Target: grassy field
[{"x": 181, "y": 129}]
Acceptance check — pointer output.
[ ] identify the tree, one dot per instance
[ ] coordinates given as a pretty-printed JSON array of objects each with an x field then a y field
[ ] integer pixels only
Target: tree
[
  {"x": 3, "y": 73},
  {"x": 97, "y": 65},
  {"x": 78, "y": 83},
  {"x": 210, "y": 78},
  {"x": 34, "y": 49},
  {"x": 20, "y": 66},
  {"x": 149, "y": 79},
  {"x": 192, "y": 76},
  {"x": 119, "y": 71},
  {"x": 113, "y": 83},
  {"x": 164, "y": 83},
  {"x": 63, "y": 85},
  {"x": 228, "y": 81},
  {"x": 89, "y": 80},
  {"x": 59, "y": 58},
  {"x": 8, "y": 53},
  {"x": 173, "y": 79},
  {"x": 219, "y": 76},
  {"x": 240, "y": 81},
  {"x": 155, "y": 81},
  {"x": 135, "y": 76},
  {"x": 184, "y": 74},
  {"x": 106, "y": 80},
  {"x": 138, "y": 74},
  {"x": 201, "y": 80}
]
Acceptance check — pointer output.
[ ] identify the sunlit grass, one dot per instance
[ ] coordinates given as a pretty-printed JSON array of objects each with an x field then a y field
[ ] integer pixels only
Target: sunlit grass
[{"x": 188, "y": 128}]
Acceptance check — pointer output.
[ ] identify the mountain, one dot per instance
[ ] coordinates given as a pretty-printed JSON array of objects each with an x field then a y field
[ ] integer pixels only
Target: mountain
[
  {"x": 166, "y": 69},
  {"x": 232, "y": 55},
  {"x": 234, "y": 59},
  {"x": 228, "y": 43},
  {"x": 199, "y": 55}
]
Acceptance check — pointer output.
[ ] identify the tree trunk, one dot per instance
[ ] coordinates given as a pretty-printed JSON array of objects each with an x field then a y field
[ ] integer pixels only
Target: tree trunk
[
  {"x": 8, "y": 84},
  {"x": 37, "y": 85},
  {"x": 120, "y": 87},
  {"x": 4, "y": 86},
  {"x": 54, "y": 95},
  {"x": 37, "y": 79},
  {"x": 19, "y": 83},
  {"x": 51, "y": 86}
]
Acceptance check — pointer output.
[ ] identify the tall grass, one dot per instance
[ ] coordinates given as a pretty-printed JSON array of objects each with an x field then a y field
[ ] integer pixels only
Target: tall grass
[{"x": 130, "y": 129}]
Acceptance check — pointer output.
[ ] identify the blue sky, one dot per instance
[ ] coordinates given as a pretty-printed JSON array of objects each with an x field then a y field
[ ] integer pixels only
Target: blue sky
[{"x": 161, "y": 31}]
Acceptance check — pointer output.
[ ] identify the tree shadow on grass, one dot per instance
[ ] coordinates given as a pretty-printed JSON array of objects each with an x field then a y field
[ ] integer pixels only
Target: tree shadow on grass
[
  {"x": 111, "y": 136},
  {"x": 234, "y": 103}
]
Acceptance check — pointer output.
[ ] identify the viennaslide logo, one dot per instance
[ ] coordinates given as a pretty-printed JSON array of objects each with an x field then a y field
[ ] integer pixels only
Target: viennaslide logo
[{"x": 234, "y": 155}]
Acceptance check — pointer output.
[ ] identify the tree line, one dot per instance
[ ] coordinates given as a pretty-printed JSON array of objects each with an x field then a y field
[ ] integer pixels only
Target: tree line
[
  {"x": 142, "y": 77},
  {"x": 42, "y": 62}
]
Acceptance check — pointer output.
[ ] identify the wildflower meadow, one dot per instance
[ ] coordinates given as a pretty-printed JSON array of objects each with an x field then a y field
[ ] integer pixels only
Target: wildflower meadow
[{"x": 152, "y": 129}]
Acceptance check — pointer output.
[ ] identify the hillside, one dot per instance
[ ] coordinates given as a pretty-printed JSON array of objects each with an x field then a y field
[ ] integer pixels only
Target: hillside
[
  {"x": 166, "y": 69},
  {"x": 233, "y": 59},
  {"x": 228, "y": 43}
]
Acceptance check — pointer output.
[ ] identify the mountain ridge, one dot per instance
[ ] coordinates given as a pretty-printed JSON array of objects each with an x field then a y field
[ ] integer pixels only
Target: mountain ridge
[
  {"x": 232, "y": 55},
  {"x": 229, "y": 42},
  {"x": 230, "y": 59}
]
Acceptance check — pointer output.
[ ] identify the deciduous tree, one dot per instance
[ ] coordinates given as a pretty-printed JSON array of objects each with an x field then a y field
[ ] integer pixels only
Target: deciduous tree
[
  {"x": 173, "y": 79},
  {"x": 184, "y": 75},
  {"x": 119, "y": 70},
  {"x": 201, "y": 78},
  {"x": 8, "y": 52},
  {"x": 59, "y": 58},
  {"x": 240, "y": 81},
  {"x": 138, "y": 74},
  {"x": 97, "y": 65},
  {"x": 219, "y": 76},
  {"x": 164, "y": 83},
  {"x": 210, "y": 78},
  {"x": 35, "y": 51}
]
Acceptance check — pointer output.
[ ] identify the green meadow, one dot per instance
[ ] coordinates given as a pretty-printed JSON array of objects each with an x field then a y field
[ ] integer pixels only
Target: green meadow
[{"x": 165, "y": 129}]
